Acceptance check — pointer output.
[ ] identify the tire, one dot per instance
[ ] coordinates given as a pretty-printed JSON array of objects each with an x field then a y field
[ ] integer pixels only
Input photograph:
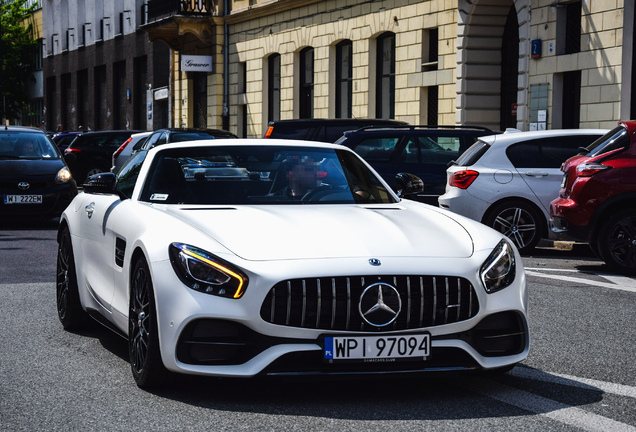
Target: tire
[
  {"x": 69, "y": 308},
  {"x": 143, "y": 336},
  {"x": 518, "y": 221},
  {"x": 617, "y": 241}
]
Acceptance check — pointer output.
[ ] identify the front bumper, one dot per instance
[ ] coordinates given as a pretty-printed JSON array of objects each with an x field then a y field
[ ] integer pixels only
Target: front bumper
[
  {"x": 209, "y": 342},
  {"x": 207, "y": 335}
]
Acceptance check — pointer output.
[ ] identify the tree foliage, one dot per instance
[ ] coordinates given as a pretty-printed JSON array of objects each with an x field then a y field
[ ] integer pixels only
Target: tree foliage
[{"x": 17, "y": 51}]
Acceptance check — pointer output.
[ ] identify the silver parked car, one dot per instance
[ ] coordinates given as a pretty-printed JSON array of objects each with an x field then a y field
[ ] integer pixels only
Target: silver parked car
[
  {"x": 507, "y": 181},
  {"x": 127, "y": 148}
]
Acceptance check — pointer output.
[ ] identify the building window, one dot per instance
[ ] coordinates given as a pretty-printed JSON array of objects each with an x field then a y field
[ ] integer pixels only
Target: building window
[
  {"x": 432, "y": 103},
  {"x": 101, "y": 30},
  {"x": 120, "y": 96},
  {"x": 385, "y": 80},
  {"x": 571, "y": 99},
  {"x": 242, "y": 105},
  {"x": 430, "y": 38},
  {"x": 344, "y": 79},
  {"x": 306, "y": 99},
  {"x": 120, "y": 26},
  {"x": 273, "y": 88},
  {"x": 38, "y": 55},
  {"x": 82, "y": 97},
  {"x": 569, "y": 28}
]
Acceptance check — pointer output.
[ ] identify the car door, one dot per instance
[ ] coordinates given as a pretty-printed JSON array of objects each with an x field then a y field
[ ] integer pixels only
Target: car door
[
  {"x": 538, "y": 163},
  {"x": 98, "y": 245},
  {"x": 427, "y": 156}
]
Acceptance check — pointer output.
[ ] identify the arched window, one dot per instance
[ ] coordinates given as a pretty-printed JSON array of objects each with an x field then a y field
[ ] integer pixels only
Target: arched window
[
  {"x": 385, "y": 79},
  {"x": 273, "y": 88},
  {"x": 344, "y": 79},
  {"x": 306, "y": 99}
]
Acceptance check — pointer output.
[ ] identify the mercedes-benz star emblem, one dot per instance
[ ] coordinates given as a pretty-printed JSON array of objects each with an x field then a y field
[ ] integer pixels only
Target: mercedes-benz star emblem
[
  {"x": 23, "y": 185},
  {"x": 380, "y": 304}
]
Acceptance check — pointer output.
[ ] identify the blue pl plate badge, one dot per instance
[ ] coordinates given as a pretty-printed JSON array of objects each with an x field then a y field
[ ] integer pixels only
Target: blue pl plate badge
[{"x": 329, "y": 348}]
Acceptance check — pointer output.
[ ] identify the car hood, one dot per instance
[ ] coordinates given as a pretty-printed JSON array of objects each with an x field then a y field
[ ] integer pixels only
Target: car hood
[
  {"x": 21, "y": 168},
  {"x": 330, "y": 231}
]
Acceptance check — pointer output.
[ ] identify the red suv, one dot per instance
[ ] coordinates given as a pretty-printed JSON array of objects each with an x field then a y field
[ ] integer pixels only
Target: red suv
[{"x": 597, "y": 201}]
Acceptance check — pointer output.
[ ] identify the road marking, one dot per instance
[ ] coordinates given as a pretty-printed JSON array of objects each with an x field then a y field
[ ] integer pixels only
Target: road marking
[
  {"x": 630, "y": 287},
  {"x": 572, "y": 381},
  {"x": 547, "y": 407},
  {"x": 617, "y": 279},
  {"x": 622, "y": 280}
]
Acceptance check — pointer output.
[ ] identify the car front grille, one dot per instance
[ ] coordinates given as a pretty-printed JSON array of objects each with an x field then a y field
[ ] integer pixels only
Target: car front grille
[{"x": 332, "y": 303}]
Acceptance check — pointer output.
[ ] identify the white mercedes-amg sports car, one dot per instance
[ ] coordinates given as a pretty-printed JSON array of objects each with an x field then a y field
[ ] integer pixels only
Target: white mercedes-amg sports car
[{"x": 240, "y": 258}]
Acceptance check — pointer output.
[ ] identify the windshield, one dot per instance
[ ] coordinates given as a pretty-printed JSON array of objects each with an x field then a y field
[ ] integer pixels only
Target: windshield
[
  {"x": 261, "y": 175},
  {"x": 26, "y": 145},
  {"x": 614, "y": 139}
]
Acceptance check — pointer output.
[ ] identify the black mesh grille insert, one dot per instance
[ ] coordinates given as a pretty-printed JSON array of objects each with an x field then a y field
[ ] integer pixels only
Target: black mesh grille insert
[{"x": 331, "y": 303}]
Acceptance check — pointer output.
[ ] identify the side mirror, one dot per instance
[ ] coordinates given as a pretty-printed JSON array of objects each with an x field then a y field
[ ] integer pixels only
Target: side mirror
[
  {"x": 408, "y": 184},
  {"x": 102, "y": 183}
]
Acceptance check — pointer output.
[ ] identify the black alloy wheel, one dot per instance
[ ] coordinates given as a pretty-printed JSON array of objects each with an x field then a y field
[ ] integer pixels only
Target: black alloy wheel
[
  {"x": 143, "y": 338},
  {"x": 69, "y": 308},
  {"x": 518, "y": 221},
  {"x": 617, "y": 241}
]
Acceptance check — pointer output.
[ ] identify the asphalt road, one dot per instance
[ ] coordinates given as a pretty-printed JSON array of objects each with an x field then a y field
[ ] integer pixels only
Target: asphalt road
[{"x": 580, "y": 374}]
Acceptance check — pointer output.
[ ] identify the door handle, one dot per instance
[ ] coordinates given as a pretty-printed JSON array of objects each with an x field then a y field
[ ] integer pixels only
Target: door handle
[
  {"x": 90, "y": 209},
  {"x": 536, "y": 173}
]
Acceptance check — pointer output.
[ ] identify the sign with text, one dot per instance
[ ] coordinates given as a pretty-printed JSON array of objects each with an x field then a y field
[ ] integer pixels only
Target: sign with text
[{"x": 196, "y": 63}]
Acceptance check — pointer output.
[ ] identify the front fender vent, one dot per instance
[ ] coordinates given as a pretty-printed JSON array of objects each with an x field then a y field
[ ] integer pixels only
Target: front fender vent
[{"x": 120, "y": 251}]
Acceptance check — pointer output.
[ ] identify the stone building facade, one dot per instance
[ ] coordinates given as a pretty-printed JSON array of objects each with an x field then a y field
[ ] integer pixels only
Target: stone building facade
[
  {"x": 483, "y": 71},
  {"x": 526, "y": 64}
]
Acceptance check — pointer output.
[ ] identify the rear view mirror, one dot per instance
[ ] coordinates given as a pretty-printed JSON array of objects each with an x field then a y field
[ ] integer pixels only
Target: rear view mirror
[
  {"x": 102, "y": 183},
  {"x": 407, "y": 184}
]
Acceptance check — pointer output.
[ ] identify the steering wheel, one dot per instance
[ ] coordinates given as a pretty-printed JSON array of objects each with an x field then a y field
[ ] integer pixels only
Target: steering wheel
[{"x": 317, "y": 193}]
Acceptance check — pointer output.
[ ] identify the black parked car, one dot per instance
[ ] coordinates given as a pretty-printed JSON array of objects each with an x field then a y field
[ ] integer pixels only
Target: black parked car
[
  {"x": 34, "y": 180},
  {"x": 64, "y": 139},
  {"x": 324, "y": 130},
  {"x": 91, "y": 152},
  {"x": 173, "y": 135},
  {"x": 424, "y": 151}
]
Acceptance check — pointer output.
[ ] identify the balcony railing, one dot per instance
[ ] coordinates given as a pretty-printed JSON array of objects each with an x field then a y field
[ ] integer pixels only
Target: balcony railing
[{"x": 158, "y": 9}]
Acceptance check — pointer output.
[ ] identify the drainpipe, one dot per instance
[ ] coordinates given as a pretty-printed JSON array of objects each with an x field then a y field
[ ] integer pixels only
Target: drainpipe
[{"x": 226, "y": 58}]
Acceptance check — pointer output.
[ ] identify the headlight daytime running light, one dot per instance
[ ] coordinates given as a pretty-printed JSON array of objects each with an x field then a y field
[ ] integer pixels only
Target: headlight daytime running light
[
  {"x": 204, "y": 272},
  {"x": 499, "y": 270},
  {"x": 63, "y": 176}
]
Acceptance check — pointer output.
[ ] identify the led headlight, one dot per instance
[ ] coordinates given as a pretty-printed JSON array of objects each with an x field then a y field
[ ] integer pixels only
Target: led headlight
[
  {"x": 205, "y": 272},
  {"x": 498, "y": 271},
  {"x": 63, "y": 176}
]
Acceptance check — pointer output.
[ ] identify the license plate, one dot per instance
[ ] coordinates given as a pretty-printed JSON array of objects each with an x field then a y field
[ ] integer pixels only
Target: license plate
[
  {"x": 377, "y": 348},
  {"x": 564, "y": 181},
  {"x": 23, "y": 199}
]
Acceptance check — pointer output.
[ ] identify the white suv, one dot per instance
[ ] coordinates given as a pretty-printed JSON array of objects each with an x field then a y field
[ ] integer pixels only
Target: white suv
[{"x": 507, "y": 181}]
